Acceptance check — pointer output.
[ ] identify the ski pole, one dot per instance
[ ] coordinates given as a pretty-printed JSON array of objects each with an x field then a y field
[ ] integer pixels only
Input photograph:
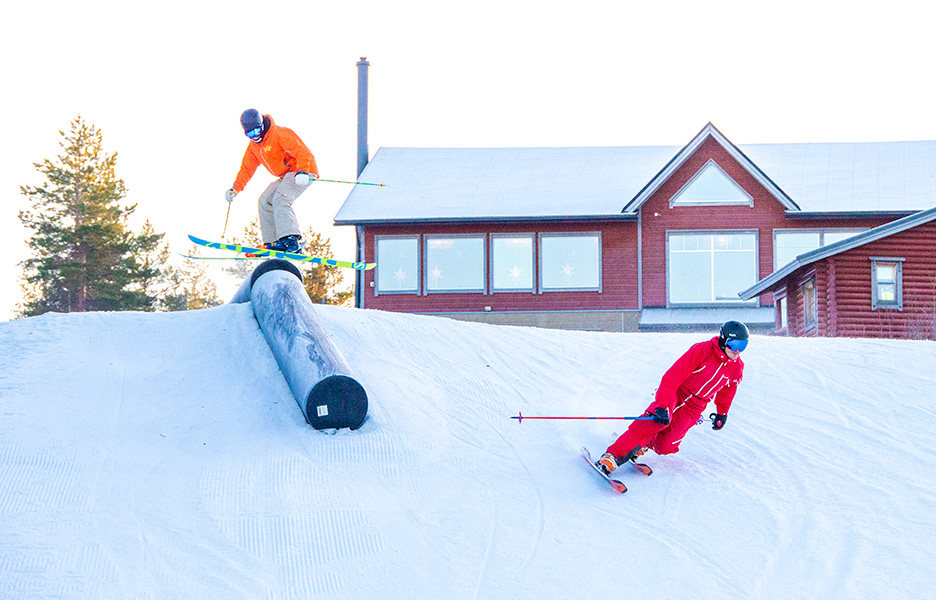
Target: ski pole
[
  {"x": 352, "y": 182},
  {"x": 226, "y": 220},
  {"x": 520, "y": 418}
]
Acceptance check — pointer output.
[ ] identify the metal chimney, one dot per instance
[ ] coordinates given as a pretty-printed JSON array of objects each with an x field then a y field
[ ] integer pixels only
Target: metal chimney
[
  {"x": 362, "y": 155},
  {"x": 362, "y": 158}
]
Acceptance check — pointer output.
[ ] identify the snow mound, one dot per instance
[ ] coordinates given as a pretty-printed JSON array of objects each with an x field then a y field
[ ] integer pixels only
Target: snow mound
[{"x": 162, "y": 456}]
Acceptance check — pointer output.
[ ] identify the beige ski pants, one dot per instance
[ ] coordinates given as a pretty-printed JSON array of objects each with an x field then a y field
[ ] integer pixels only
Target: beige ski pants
[{"x": 277, "y": 218}]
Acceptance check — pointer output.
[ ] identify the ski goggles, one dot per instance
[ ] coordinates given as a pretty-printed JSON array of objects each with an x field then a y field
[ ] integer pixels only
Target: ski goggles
[
  {"x": 737, "y": 345},
  {"x": 255, "y": 132}
]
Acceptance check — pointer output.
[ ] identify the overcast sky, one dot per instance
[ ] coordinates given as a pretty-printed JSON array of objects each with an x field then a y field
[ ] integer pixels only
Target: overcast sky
[{"x": 166, "y": 83}]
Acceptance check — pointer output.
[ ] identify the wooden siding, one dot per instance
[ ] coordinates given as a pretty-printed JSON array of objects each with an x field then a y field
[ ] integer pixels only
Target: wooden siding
[
  {"x": 618, "y": 271},
  {"x": 852, "y": 288}
]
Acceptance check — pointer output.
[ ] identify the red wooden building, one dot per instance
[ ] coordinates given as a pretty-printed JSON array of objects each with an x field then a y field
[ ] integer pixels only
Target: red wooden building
[
  {"x": 620, "y": 238},
  {"x": 880, "y": 283}
]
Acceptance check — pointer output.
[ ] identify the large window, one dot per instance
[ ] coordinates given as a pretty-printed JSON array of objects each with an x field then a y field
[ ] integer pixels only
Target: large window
[
  {"x": 710, "y": 268},
  {"x": 455, "y": 263},
  {"x": 397, "y": 264},
  {"x": 570, "y": 261},
  {"x": 790, "y": 243},
  {"x": 886, "y": 283},
  {"x": 512, "y": 262}
]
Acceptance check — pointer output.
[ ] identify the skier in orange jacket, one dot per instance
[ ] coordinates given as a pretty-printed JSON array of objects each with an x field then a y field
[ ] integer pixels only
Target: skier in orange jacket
[
  {"x": 709, "y": 370},
  {"x": 286, "y": 157}
]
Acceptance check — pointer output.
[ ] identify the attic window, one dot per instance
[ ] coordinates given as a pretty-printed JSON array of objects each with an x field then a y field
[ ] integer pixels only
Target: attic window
[{"x": 711, "y": 186}]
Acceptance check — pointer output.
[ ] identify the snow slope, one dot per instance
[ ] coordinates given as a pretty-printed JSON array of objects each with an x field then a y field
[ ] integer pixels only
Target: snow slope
[{"x": 161, "y": 456}]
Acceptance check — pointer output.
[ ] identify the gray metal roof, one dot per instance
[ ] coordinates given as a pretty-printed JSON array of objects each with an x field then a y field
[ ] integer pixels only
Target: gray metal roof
[
  {"x": 843, "y": 177},
  {"x": 426, "y": 184},
  {"x": 476, "y": 183}
]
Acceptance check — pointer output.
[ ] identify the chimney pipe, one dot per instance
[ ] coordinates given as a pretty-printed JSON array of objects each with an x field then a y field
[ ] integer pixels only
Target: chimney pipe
[
  {"x": 362, "y": 158},
  {"x": 362, "y": 155}
]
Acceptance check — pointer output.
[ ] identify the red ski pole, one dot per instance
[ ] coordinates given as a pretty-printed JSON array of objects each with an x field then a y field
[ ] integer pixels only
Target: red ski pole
[{"x": 520, "y": 418}]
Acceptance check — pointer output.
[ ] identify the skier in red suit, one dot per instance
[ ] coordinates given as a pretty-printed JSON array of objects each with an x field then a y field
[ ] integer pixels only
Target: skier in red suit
[{"x": 709, "y": 370}]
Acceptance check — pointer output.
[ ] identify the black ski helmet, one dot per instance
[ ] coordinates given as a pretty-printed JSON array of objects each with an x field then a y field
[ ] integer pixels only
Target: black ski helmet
[
  {"x": 732, "y": 330},
  {"x": 251, "y": 119}
]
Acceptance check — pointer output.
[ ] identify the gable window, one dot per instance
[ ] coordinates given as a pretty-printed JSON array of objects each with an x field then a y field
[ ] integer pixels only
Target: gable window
[
  {"x": 810, "y": 304},
  {"x": 711, "y": 186},
  {"x": 790, "y": 243},
  {"x": 710, "y": 267},
  {"x": 398, "y": 264},
  {"x": 886, "y": 283},
  {"x": 570, "y": 261},
  {"x": 512, "y": 262},
  {"x": 455, "y": 263}
]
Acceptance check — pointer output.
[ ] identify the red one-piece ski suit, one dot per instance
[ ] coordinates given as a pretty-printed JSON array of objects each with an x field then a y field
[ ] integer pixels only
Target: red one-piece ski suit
[{"x": 702, "y": 374}]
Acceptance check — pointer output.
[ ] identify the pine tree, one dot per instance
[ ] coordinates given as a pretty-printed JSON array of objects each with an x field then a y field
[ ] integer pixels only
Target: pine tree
[
  {"x": 151, "y": 253},
  {"x": 191, "y": 287},
  {"x": 84, "y": 252},
  {"x": 321, "y": 282}
]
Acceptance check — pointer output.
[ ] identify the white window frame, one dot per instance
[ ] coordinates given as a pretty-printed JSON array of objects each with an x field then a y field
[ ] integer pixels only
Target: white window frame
[
  {"x": 377, "y": 289},
  {"x": 709, "y": 303},
  {"x": 876, "y": 302},
  {"x": 747, "y": 199},
  {"x": 542, "y": 266},
  {"x": 533, "y": 271},
  {"x": 427, "y": 238}
]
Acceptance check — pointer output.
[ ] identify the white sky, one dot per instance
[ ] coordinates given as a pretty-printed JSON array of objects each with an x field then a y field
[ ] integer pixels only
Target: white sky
[{"x": 167, "y": 82}]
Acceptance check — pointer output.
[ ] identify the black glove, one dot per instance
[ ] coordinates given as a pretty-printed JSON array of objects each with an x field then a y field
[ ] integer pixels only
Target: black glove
[
  {"x": 660, "y": 415},
  {"x": 718, "y": 421}
]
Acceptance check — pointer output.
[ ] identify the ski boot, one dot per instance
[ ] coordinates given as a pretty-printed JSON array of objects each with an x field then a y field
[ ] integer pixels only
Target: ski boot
[
  {"x": 635, "y": 452},
  {"x": 289, "y": 243},
  {"x": 607, "y": 463},
  {"x": 632, "y": 456}
]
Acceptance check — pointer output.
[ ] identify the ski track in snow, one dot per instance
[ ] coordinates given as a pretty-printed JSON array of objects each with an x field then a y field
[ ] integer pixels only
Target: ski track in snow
[{"x": 157, "y": 456}]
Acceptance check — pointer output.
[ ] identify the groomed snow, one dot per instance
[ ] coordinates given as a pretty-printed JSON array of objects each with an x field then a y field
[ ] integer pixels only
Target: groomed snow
[{"x": 161, "y": 456}]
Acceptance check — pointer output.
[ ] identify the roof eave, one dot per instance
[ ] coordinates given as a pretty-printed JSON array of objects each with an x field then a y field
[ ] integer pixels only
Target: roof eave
[
  {"x": 491, "y": 219},
  {"x": 848, "y": 214}
]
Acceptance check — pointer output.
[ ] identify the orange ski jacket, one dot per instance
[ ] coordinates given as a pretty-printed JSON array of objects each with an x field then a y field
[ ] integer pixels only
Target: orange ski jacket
[{"x": 281, "y": 152}]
